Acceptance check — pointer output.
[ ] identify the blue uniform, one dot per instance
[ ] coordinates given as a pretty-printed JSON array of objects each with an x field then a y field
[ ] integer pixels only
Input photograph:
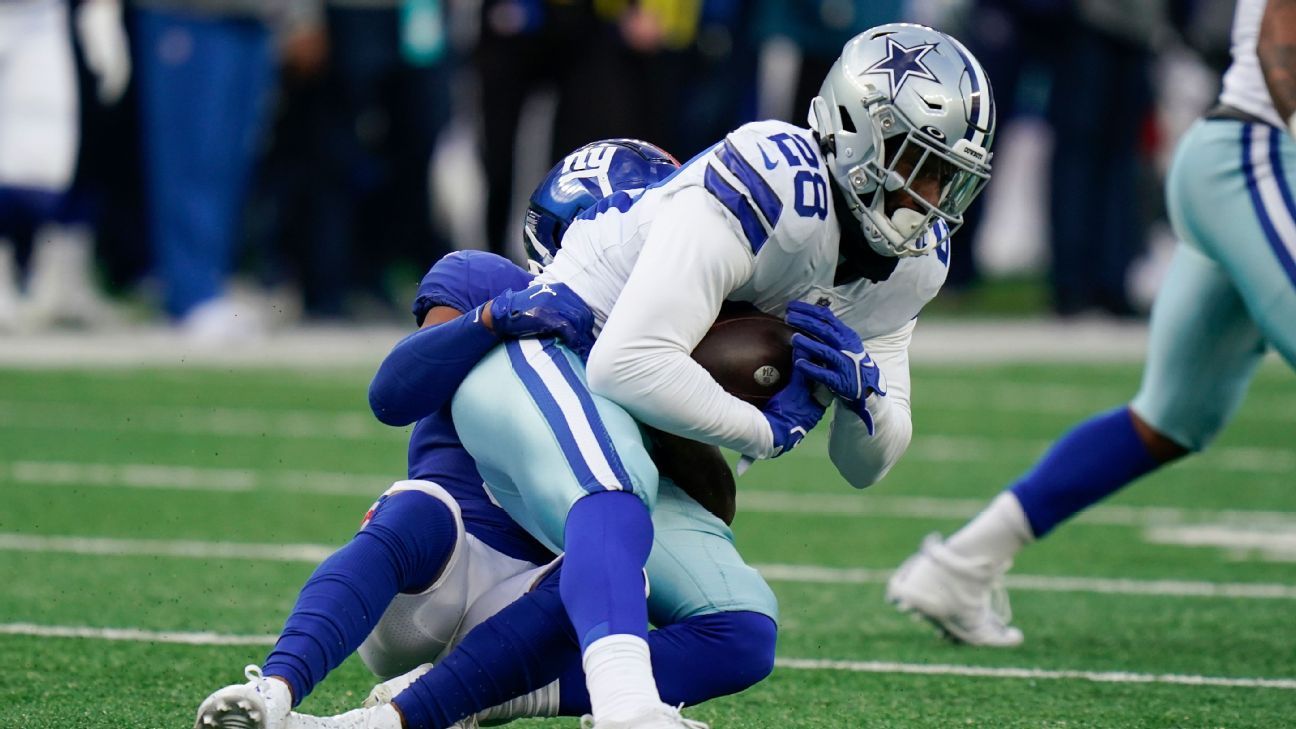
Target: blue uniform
[{"x": 464, "y": 281}]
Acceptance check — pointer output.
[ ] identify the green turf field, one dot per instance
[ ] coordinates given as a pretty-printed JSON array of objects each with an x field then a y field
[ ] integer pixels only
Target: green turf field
[{"x": 161, "y": 504}]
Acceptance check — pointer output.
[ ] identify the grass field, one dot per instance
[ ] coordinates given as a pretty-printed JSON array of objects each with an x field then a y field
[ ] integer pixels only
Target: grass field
[{"x": 140, "y": 507}]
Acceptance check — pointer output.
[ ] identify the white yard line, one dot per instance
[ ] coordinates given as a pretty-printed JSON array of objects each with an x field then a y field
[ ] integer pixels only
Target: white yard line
[
  {"x": 217, "y": 421},
  {"x": 801, "y": 664},
  {"x": 1242, "y": 541},
  {"x": 847, "y": 503},
  {"x": 868, "y": 505},
  {"x": 312, "y": 553},
  {"x": 940, "y": 669},
  {"x": 1046, "y": 583},
  {"x": 1059, "y": 399},
  {"x": 106, "y": 546},
  {"x": 187, "y": 478},
  {"x": 133, "y": 635}
]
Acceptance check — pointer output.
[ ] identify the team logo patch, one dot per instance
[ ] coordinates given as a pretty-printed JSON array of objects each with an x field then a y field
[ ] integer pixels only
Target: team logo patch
[{"x": 900, "y": 63}]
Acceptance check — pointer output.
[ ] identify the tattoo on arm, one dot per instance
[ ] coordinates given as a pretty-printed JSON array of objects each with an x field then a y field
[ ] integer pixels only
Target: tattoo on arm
[{"x": 1277, "y": 52}]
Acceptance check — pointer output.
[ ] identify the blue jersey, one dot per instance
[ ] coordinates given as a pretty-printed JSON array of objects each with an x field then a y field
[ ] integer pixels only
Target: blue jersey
[{"x": 465, "y": 280}]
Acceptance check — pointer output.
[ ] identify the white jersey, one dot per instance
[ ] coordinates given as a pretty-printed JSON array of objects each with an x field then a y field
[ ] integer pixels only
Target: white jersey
[
  {"x": 1244, "y": 84},
  {"x": 750, "y": 219},
  {"x": 38, "y": 96}
]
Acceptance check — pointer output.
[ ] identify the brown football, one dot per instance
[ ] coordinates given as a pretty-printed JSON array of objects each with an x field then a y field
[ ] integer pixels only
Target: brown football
[{"x": 748, "y": 352}]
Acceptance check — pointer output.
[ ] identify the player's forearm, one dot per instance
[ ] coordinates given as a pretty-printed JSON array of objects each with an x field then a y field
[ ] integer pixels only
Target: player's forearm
[
  {"x": 424, "y": 370},
  {"x": 1277, "y": 52},
  {"x": 863, "y": 459}
]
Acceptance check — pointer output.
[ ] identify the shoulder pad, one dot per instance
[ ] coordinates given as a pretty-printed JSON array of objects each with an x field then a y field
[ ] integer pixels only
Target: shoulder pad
[
  {"x": 464, "y": 280},
  {"x": 770, "y": 176}
]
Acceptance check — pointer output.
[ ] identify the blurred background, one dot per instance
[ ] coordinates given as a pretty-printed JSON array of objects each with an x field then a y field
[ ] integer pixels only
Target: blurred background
[{"x": 223, "y": 169}]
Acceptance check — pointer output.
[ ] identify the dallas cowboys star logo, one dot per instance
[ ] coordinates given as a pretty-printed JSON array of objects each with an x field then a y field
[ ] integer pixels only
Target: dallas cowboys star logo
[{"x": 900, "y": 63}]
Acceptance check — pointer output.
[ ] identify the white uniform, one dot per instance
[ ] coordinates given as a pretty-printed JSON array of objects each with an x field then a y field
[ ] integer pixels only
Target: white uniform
[
  {"x": 1244, "y": 84},
  {"x": 751, "y": 219},
  {"x": 38, "y": 96}
]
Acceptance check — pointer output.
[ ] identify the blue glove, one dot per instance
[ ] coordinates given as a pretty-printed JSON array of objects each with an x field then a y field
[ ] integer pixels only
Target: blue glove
[
  {"x": 544, "y": 310},
  {"x": 834, "y": 356},
  {"x": 792, "y": 413}
]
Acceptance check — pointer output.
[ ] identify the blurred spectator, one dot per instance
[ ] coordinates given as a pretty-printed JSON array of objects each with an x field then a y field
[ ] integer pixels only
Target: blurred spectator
[
  {"x": 711, "y": 90},
  {"x": 1099, "y": 104},
  {"x": 526, "y": 46},
  {"x": 1017, "y": 43},
  {"x": 205, "y": 70},
  {"x": 365, "y": 100},
  {"x": 39, "y": 134},
  {"x": 653, "y": 69},
  {"x": 819, "y": 29}
]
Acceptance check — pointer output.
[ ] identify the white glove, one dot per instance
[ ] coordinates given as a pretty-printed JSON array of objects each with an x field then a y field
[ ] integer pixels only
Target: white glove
[{"x": 99, "y": 25}]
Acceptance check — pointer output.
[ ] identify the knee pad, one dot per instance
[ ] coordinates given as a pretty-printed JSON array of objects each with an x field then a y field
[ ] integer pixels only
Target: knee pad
[
  {"x": 405, "y": 517},
  {"x": 416, "y": 628}
]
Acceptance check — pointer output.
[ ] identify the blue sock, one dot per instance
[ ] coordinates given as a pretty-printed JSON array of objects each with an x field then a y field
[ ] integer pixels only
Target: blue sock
[
  {"x": 608, "y": 536},
  {"x": 1096, "y": 459},
  {"x": 685, "y": 657},
  {"x": 402, "y": 549},
  {"x": 519, "y": 649}
]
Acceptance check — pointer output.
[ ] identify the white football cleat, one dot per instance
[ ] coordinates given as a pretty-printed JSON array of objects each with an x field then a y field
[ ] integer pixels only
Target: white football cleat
[
  {"x": 384, "y": 692},
  {"x": 963, "y": 597},
  {"x": 261, "y": 703},
  {"x": 380, "y": 717},
  {"x": 660, "y": 716}
]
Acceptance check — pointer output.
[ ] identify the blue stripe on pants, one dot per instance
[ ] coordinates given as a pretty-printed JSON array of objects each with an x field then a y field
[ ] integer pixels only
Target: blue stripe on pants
[
  {"x": 569, "y": 410},
  {"x": 1257, "y": 200}
]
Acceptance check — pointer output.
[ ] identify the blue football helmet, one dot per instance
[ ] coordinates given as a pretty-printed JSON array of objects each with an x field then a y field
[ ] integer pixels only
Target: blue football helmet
[{"x": 581, "y": 179}]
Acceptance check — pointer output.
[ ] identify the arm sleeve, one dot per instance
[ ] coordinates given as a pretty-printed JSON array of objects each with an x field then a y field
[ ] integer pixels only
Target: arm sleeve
[
  {"x": 691, "y": 260},
  {"x": 423, "y": 370},
  {"x": 863, "y": 459}
]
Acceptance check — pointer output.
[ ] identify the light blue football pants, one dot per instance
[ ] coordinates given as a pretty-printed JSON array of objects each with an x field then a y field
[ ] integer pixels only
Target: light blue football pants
[
  {"x": 1231, "y": 288},
  {"x": 542, "y": 441}
]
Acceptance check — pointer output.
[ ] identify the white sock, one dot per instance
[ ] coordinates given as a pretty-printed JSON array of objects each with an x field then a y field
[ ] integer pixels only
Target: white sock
[
  {"x": 618, "y": 674},
  {"x": 997, "y": 534},
  {"x": 277, "y": 695},
  {"x": 386, "y": 717},
  {"x": 539, "y": 703}
]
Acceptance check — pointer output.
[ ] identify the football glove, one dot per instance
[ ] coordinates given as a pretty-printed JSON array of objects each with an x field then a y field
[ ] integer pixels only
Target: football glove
[
  {"x": 792, "y": 413},
  {"x": 544, "y": 310},
  {"x": 834, "y": 356}
]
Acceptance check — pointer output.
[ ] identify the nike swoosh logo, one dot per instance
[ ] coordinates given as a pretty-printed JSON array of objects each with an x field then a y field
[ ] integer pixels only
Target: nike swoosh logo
[{"x": 769, "y": 163}]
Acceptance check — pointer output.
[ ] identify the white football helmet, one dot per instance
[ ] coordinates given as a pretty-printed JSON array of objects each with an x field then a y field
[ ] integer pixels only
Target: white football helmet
[{"x": 906, "y": 108}]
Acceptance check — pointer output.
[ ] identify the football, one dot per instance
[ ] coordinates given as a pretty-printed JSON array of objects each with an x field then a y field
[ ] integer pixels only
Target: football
[{"x": 748, "y": 352}]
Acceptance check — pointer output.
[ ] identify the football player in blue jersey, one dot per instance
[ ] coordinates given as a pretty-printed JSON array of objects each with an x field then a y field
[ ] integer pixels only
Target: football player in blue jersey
[
  {"x": 1230, "y": 293},
  {"x": 435, "y": 557}
]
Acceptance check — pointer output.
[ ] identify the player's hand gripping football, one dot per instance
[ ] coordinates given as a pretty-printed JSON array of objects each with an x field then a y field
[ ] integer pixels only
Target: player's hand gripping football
[
  {"x": 834, "y": 356},
  {"x": 544, "y": 310},
  {"x": 792, "y": 413}
]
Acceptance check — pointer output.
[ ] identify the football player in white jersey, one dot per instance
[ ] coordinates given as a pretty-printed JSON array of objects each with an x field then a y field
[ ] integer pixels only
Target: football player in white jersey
[
  {"x": 842, "y": 228},
  {"x": 1230, "y": 294}
]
